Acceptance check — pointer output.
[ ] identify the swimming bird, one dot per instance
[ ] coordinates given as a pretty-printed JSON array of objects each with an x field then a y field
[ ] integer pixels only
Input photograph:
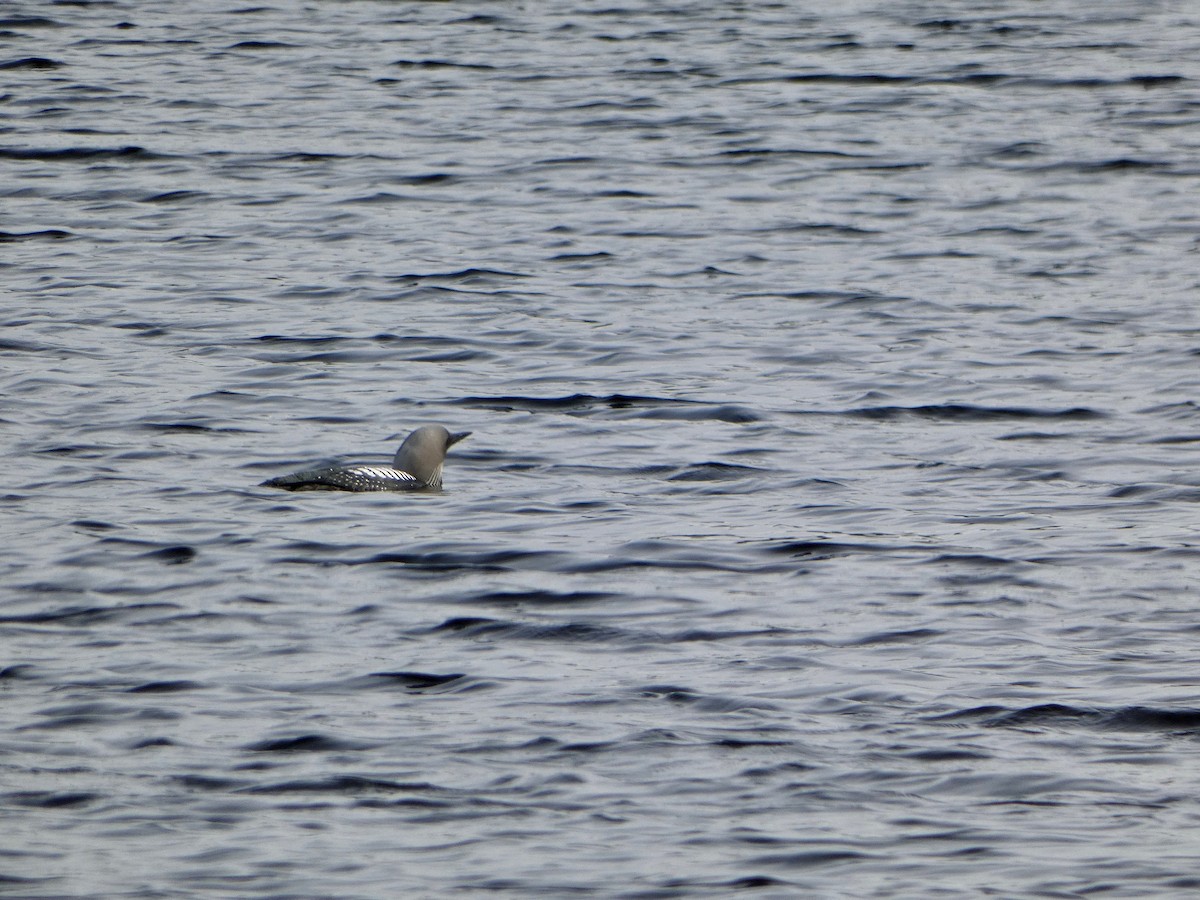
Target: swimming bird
[{"x": 417, "y": 467}]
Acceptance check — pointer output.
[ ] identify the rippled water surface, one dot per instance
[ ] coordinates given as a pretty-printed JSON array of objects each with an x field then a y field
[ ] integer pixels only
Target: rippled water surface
[{"x": 829, "y": 525}]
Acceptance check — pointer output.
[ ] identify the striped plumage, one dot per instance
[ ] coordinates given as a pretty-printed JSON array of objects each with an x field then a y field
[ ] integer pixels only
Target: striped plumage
[
  {"x": 348, "y": 478},
  {"x": 417, "y": 467}
]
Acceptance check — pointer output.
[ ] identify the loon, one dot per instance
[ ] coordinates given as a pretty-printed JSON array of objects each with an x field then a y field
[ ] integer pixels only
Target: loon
[{"x": 417, "y": 467}]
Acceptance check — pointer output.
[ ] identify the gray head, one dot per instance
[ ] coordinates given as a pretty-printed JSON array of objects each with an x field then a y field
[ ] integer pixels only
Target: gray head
[{"x": 423, "y": 452}]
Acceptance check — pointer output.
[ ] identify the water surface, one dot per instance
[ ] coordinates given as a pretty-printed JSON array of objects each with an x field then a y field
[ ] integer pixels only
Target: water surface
[{"x": 829, "y": 523}]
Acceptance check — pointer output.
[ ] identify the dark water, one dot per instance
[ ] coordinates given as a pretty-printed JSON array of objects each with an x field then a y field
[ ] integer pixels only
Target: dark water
[{"x": 830, "y": 525}]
